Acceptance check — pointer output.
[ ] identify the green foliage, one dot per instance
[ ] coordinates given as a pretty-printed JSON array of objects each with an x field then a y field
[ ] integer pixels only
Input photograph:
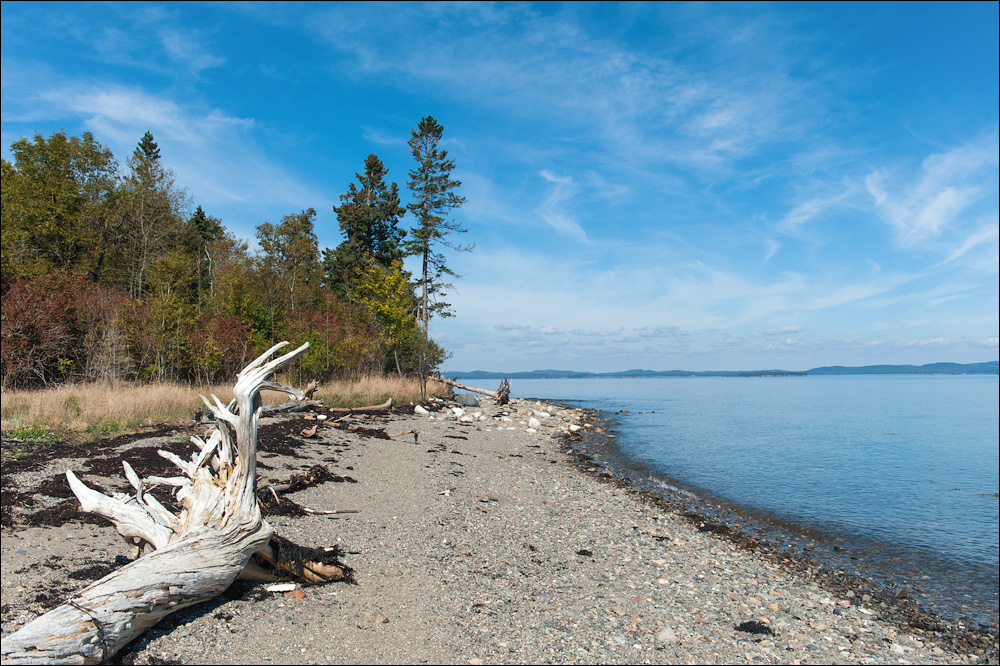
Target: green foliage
[
  {"x": 290, "y": 261},
  {"x": 29, "y": 432},
  {"x": 386, "y": 300},
  {"x": 110, "y": 277},
  {"x": 368, "y": 218},
  {"x": 54, "y": 202}
]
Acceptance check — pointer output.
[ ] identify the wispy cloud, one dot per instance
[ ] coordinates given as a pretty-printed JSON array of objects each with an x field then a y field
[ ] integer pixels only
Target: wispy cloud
[
  {"x": 557, "y": 207},
  {"x": 948, "y": 185}
]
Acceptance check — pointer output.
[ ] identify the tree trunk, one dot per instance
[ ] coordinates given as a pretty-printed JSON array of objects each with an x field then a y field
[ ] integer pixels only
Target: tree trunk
[{"x": 198, "y": 553}]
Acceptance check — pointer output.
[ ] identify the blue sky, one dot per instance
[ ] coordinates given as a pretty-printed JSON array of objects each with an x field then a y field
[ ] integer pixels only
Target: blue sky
[{"x": 659, "y": 186}]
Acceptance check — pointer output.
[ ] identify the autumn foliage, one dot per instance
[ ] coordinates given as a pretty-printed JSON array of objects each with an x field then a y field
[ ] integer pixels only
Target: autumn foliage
[{"x": 108, "y": 276}]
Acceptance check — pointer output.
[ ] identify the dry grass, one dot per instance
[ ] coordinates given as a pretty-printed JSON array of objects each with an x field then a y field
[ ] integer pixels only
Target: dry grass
[
  {"x": 97, "y": 410},
  {"x": 375, "y": 391}
]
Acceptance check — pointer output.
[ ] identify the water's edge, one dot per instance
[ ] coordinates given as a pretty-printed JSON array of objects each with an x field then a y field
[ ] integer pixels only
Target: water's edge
[{"x": 909, "y": 598}]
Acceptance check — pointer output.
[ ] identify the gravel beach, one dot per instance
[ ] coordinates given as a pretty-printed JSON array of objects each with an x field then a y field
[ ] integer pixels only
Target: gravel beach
[{"x": 479, "y": 539}]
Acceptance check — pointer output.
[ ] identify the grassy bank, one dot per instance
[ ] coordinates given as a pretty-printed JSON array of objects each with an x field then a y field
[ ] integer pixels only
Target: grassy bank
[{"x": 94, "y": 411}]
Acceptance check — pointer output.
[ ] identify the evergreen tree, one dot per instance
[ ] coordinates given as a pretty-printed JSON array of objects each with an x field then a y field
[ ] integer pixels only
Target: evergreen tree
[
  {"x": 200, "y": 233},
  {"x": 148, "y": 147},
  {"x": 368, "y": 218},
  {"x": 434, "y": 196},
  {"x": 150, "y": 221}
]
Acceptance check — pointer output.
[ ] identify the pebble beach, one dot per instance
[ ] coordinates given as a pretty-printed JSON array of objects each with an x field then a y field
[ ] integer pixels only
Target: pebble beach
[{"x": 481, "y": 538}]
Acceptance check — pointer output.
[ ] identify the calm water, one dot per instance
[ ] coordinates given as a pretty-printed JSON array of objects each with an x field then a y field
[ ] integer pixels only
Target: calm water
[{"x": 896, "y": 469}]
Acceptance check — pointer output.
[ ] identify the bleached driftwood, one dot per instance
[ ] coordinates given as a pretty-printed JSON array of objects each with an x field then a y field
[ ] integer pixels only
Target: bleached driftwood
[
  {"x": 501, "y": 395},
  {"x": 197, "y": 553}
]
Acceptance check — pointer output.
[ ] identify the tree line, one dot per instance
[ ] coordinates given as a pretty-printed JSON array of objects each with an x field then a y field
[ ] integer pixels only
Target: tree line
[{"x": 107, "y": 274}]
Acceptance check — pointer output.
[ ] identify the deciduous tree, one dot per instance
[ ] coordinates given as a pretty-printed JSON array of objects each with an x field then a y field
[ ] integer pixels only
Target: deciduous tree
[{"x": 53, "y": 204}]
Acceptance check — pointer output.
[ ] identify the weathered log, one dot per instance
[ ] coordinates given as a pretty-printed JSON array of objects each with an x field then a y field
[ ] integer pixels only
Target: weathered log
[
  {"x": 501, "y": 395},
  {"x": 197, "y": 553},
  {"x": 370, "y": 409}
]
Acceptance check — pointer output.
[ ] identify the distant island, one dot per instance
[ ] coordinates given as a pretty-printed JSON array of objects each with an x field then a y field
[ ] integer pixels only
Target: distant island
[{"x": 991, "y": 368}]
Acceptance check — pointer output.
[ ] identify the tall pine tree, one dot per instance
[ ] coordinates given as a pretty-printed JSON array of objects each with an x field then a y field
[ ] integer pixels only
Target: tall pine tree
[{"x": 434, "y": 197}]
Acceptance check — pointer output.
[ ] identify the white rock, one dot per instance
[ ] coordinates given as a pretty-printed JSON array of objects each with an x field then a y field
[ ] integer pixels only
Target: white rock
[
  {"x": 321, "y": 417},
  {"x": 574, "y": 428},
  {"x": 534, "y": 423},
  {"x": 531, "y": 430},
  {"x": 542, "y": 415},
  {"x": 666, "y": 635},
  {"x": 282, "y": 587},
  {"x": 420, "y": 410},
  {"x": 458, "y": 411}
]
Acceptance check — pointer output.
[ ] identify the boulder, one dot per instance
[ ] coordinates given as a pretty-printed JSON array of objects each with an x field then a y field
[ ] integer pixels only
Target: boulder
[{"x": 466, "y": 399}]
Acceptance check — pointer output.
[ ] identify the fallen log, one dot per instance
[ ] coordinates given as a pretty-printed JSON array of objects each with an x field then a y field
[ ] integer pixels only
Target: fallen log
[
  {"x": 370, "y": 409},
  {"x": 217, "y": 536},
  {"x": 501, "y": 395}
]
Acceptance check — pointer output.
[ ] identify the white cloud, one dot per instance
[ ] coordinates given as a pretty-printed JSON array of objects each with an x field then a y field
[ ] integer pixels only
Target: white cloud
[
  {"x": 948, "y": 185},
  {"x": 555, "y": 210},
  {"x": 784, "y": 330}
]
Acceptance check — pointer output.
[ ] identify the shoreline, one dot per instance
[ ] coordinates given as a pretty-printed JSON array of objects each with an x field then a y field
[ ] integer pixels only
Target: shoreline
[
  {"x": 816, "y": 558},
  {"x": 481, "y": 540}
]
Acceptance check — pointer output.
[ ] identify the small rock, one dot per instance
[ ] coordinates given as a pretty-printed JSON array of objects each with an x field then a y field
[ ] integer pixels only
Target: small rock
[
  {"x": 666, "y": 635},
  {"x": 534, "y": 423},
  {"x": 373, "y": 617},
  {"x": 420, "y": 410}
]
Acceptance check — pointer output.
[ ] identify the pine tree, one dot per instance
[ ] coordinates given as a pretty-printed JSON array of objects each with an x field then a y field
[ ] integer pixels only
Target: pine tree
[
  {"x": 434, "y": 196},
  {"x": 368, "y": 218}
]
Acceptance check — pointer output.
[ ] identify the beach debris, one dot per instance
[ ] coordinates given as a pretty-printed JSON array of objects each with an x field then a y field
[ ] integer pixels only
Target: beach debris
[
  {"x": 197, "y": 553},
  {"x": 309, "y": 432},
  {"x": 296, "y": 594},
  {"x": 584, "y": 552},
  {"x": 282, "y": 587},
  {"x": 755, "y": 627},
  {"x": 415, "y": 434},
  {"x": 501, "y": 395}
]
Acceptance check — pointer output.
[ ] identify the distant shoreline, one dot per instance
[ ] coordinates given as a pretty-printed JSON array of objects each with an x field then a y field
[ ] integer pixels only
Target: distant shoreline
[{"x": 989, "y": 368}]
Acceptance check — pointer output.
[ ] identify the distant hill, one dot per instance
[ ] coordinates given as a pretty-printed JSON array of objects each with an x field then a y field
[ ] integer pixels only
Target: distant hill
[{"x": 991, "y": 368}]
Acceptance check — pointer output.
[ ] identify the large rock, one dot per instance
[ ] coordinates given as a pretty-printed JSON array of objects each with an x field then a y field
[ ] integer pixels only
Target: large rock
[{"x": 466, "y": 399}]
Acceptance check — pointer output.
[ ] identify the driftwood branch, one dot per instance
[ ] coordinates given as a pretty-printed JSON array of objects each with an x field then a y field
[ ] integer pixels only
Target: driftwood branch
[{"x": 196, "y": 554}]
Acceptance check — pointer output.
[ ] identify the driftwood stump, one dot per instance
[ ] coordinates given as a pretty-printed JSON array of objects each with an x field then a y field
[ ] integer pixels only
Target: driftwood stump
[{"x": 197, "y": 553}]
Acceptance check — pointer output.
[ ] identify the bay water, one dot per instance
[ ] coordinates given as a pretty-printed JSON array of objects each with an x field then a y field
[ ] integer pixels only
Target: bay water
[{"x": 896, "y": 473}]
